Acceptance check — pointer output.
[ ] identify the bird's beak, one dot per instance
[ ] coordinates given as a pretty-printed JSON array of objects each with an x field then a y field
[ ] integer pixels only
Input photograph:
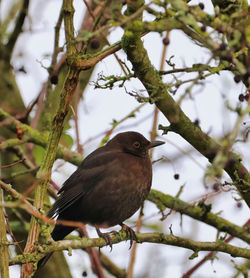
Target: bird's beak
[{"x": 155, "y": 144}]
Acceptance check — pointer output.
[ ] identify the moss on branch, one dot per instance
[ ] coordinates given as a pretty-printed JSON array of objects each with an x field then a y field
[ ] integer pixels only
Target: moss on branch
[
  {"x": 158, "y": 238},
  {"x": 44, "y": 173},
  {"x": 34, "y": 136},
  {"x": 179, "y": 122},
  {"x": 200, "y": 213},
  {"x": 4, "y": 250}
]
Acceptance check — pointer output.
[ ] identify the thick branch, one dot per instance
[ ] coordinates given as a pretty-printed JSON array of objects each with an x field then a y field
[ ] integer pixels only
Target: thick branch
[
  {"x": 44, "y": 172},
  {"x": 180, "y": 123},
  {"x": 121, "y": 236},
  {"x": 4, "y": 250},
  {"x": 201, "y": 213},
  {"x": 159, "y": 238}
]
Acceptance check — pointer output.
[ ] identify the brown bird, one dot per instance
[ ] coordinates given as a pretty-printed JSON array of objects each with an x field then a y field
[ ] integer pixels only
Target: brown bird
[{"x": 109, "y": 186}]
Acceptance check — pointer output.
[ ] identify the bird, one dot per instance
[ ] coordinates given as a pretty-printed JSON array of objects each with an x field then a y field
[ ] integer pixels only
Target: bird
[{"x": 108, "y": 187}]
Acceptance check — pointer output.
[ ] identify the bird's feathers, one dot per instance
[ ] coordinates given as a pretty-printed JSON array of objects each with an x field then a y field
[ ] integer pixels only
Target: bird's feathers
[
  {"x": 82, "y": 181},
  {"x": 108, "y": 187}
]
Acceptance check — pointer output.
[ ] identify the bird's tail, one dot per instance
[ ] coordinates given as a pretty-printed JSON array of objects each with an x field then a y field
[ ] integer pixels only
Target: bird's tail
[
  {"x": 43, "y": 261},
  {"x": 58, "y": 233}
]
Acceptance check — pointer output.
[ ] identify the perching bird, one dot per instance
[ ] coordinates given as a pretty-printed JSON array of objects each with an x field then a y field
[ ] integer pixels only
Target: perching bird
[{"x": 109, "y": 186}]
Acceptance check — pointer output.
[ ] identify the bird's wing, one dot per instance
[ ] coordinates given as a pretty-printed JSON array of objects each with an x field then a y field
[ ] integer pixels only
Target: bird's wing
[
  {"x": 65, "y": 200},
  {"x": 82, "y": 181}
]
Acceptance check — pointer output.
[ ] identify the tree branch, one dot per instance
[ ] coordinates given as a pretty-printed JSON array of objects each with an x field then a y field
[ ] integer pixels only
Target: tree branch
[
  {"x": 207, "y": 257},
  {"x": 179, "y": 122},
  {"x": 121, "y": 236},
  {"x": 84, "y": 62},
  {"x": 34, "y": 136},
  {"x": 44, "y": 172},
  {"x": 18, "y": 28},
  {"x": 4, "y": 250},
  {"x": 200, "y": 212},
  {"x": 111, "y": 267},
  {"x": 158, "y": 238}
]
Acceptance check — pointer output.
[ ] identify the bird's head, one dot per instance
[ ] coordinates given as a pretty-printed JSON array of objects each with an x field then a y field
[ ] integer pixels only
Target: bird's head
[{"x": 134, "y": 143}]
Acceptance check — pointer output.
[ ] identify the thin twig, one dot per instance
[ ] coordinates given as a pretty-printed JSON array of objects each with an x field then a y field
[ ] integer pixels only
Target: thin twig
[
  {"x": 56, "y": 41},
  {"x": 28, "y": 207},
  {"x": 12, "y": 164},
  {"x": 134, "y": 248},
  {"x": 199, "y": 212},
  {"x": 188, "y": 273},
  {"x": 13, "y": 237},
  {"x": 89, "y": 9},
  {"x": 75, "y": 117},
  {"x": 117, "y": 123},
  {"x": 185, "y": 153},
  {"x": 18, "y": 27},
  {"x": 94, "y": 256}
]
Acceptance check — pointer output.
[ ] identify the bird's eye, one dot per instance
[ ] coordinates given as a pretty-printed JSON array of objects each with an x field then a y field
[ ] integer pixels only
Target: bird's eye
[{"x": 137, "y": 144}]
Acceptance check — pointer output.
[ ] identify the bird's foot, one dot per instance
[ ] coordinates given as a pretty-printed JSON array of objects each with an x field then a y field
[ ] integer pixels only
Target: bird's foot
[
  {"x": 106, "y": 237},
  {"x": 130, "y": 233}
]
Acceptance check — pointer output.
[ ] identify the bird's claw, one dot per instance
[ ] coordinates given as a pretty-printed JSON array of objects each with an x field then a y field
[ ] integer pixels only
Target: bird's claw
[
  {"x": 106, "y": 237},
  {"x": 130, "y": 233}
]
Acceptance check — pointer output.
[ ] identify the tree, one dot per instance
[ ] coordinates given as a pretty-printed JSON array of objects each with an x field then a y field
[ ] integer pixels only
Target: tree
[{"x": 34, "y": 136}]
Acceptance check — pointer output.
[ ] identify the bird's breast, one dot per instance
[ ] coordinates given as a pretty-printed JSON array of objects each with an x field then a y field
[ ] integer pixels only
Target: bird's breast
[{"x": 124, "y": 186}]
